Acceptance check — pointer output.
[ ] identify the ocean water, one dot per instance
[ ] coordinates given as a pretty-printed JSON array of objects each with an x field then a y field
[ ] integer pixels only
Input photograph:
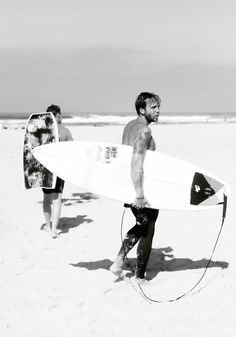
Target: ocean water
[{"x": 18, "y": 120}]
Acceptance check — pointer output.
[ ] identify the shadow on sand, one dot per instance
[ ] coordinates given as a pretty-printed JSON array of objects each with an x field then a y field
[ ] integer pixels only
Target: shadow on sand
[
  {"x": 65, "y": 223},
  {"x": 160, "y": 260},
  {"x": 78, "y": 198}
]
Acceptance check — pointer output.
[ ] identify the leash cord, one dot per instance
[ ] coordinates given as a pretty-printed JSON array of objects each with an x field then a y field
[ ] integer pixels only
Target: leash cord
[{"x": 203, "y": 274}]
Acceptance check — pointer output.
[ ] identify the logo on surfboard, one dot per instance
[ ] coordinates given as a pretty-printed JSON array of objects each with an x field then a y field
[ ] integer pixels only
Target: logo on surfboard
[
  {"x": 103, "y": 155},
  {"x": 110, "y": 153},
  {"x": 203, "y": 189},
  {"x": 197, "y": 188}
]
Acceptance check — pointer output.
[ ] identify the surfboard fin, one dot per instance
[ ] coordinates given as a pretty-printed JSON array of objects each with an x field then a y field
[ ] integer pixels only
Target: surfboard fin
[{"x": 224, "y": 206}]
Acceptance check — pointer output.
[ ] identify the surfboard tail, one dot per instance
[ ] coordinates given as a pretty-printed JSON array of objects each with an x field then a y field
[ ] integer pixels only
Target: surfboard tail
[{"x": 207, "y": 191}]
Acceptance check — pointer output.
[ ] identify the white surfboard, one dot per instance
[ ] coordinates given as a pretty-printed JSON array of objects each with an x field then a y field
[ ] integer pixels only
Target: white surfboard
[{"x": 104, "y": 169}]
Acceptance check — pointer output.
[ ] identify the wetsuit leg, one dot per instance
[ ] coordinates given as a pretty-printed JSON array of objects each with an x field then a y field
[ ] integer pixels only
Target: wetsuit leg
[
  {"x": 133, "y": 235},
  {"x": 143, "y": 231},
  {"x": 130, "y": 240},
  {"x": 145, "y": 241}
]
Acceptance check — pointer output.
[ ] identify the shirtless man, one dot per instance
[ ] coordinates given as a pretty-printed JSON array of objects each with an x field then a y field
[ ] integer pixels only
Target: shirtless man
[
  {"x": 138, "y": 134},
  {"x": 52, "y": 197}
]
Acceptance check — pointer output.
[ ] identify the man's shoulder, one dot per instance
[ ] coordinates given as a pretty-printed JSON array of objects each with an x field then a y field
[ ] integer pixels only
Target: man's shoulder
[
  {"x": 64, "y": 133},
  {"x": 141, "y": 128},
  {"x": 132, "y": 122},
  {"x": 64, "y": 128},
  {"x": 145, "y": 132}
]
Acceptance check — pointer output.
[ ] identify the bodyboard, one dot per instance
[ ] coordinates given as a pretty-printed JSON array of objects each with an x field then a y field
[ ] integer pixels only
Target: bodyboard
[{"x": 41, "y": 129}]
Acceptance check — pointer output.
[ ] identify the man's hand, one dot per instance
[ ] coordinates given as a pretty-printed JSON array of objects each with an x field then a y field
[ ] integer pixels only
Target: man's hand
[{"x": 140, "y": 202}]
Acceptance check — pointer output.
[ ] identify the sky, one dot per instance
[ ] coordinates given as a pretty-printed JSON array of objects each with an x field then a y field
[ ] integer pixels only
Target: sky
[{"x": 98, "y": 55}]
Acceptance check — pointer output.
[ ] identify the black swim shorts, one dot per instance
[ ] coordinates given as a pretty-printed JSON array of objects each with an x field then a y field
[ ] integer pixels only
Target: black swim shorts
[{"x": 58, "y": 188}]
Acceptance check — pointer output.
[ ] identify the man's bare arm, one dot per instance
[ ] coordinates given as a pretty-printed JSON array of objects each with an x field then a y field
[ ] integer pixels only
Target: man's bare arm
[{"x": 139, "y": 151}]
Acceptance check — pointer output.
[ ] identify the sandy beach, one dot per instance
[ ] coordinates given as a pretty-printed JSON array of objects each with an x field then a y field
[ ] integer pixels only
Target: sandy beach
[{"x": 63, "y": 287}]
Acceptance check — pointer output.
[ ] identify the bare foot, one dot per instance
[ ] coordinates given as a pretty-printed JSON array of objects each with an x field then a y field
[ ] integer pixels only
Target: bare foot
[
  {"x": 47, "y": 228},
  {"x": 116, "y": 267},
  {"x": 54, "y": 234}
]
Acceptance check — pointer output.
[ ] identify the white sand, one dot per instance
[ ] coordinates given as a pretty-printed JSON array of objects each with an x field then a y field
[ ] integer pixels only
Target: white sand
[{"x": 62, "y": 287}]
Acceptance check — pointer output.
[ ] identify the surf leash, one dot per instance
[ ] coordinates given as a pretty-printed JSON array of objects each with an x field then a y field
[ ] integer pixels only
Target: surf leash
[{"x": 142, "y": 292}]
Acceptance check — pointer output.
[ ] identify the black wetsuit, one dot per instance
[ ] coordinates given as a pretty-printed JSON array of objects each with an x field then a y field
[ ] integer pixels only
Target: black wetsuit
[
  {"x": 143, "y": 232},
  {"x": 144, "y": 228}
]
